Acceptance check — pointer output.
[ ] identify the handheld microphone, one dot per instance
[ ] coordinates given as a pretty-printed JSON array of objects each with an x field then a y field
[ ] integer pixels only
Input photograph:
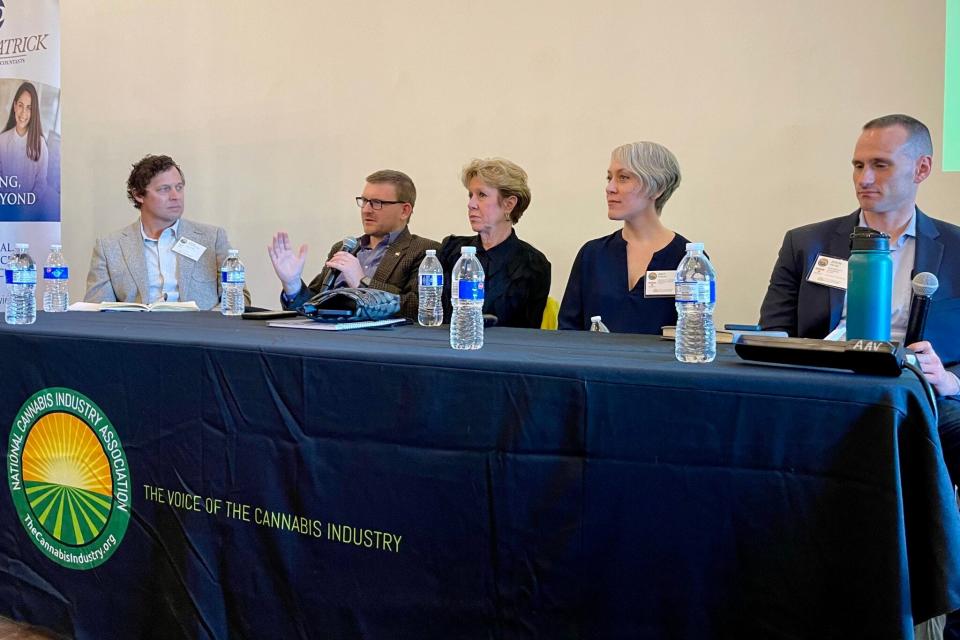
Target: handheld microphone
[
  {"x": 924, "y": 286},
  {"x": 349, "y": 244}
]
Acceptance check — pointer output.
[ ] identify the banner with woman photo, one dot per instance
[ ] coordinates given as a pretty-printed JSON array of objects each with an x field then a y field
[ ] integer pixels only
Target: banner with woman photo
[{"x": 29, "y": 128}]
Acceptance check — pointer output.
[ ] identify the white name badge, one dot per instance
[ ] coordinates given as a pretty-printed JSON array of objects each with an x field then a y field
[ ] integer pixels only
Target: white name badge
[
  {"x": 659, "y": 284},
  {"x": 189, "y": 249},
  {"x": 830, "y": 272}
]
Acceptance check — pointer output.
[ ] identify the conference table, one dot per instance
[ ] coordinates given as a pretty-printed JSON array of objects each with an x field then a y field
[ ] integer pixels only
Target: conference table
[{"x": 188, "y": 475}]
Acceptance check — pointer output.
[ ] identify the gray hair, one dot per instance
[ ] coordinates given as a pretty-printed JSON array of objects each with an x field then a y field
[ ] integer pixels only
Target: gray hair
[
  {"x": 655, "y": 166},
  {"x": 918, "y": 135}
]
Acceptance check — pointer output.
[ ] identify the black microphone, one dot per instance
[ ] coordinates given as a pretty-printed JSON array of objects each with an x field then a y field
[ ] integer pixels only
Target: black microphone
[
  {"x": 924, "y": 286},
  {"x": 349, "y": 244}
]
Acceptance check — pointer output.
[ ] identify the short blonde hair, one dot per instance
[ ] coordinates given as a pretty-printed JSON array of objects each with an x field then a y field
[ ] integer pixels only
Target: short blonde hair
[
  {"x": 504, "y": 176},
  {"x": 655, "y": 166}
]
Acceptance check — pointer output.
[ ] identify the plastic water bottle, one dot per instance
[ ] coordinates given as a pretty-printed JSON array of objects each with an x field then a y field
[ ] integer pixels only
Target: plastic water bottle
[
  {"x": 233, "y": 277},
  {"x": 596, "y": 324},
  {"x": 430, "y": 311},
  {"x": 21, "y": 287},
  {"x": 466, "y": 323},
  {"x": 696, "y": 295},
  {"x": 56, "y": 276}
]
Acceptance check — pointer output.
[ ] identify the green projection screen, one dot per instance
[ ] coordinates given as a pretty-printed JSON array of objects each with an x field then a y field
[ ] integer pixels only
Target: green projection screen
[{"x": 951, "y": 90}]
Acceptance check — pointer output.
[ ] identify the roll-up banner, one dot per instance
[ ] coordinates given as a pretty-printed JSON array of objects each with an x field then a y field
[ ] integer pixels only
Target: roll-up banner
[{"x": 29, "y": 128}]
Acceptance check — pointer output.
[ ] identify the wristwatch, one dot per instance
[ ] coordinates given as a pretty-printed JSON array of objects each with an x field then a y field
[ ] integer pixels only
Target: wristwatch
[{"x": 365, "y": 281}]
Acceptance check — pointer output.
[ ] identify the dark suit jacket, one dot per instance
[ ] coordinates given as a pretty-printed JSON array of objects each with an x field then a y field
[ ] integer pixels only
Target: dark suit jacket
[
  {"x": 809, "y": 310},
  {"x": 396, "y": 273}
]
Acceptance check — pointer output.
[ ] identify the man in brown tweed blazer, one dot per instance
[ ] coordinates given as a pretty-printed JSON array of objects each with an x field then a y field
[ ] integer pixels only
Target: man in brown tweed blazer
[{"x": 387, "y": 257}]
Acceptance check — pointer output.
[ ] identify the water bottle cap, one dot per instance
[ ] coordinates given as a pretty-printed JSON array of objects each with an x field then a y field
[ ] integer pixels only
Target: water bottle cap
[
  {"x": 694, "y": 246},
  {"x": 594, "y": 318},
  {"x": 233, "y": 253},
  {"x": 468, "y": 251},
  {"x": 55, "y": 247},
  {"x": 431, "y": 252},
  {"x": 867, "y": 239}
]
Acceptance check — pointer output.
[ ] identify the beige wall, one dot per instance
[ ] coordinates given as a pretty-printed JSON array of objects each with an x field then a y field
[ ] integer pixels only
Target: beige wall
[{"x": 277, "y": 110}]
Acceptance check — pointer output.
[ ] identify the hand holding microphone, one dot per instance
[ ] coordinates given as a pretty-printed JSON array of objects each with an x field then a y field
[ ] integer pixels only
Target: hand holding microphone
[
  {"x": 345, "y": 262},
  {"x": 924, "y": 286},
  {"x": 944, "y": 382}
]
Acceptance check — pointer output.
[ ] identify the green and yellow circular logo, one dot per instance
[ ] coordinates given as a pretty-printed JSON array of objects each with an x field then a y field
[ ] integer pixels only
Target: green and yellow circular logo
[{"x": 69, "y": 478}]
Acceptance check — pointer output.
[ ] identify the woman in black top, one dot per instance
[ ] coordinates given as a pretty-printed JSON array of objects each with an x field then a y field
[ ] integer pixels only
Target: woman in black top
[
  {"x": 516, "y": 276},
  {"x": 610, "y": 275}
]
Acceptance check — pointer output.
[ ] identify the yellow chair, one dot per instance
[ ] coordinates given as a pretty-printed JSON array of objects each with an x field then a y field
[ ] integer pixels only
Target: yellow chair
[{"x": 551, "y": 313}]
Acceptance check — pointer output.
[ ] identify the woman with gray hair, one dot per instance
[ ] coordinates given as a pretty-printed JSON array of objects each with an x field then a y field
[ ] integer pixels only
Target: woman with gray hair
[
  {"x": 616, "y": 276},
  {"x": 516, "y": 275}
]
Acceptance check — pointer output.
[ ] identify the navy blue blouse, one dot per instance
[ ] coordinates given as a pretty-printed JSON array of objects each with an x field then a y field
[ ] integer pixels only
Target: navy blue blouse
[{"x": 598, "y": 287}]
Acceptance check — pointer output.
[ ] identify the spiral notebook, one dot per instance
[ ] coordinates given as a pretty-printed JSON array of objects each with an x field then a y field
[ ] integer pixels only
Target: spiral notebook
[{"x": 307, "y": 323}]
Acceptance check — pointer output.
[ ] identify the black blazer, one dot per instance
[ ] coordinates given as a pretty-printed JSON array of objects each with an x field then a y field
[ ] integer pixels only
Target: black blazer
[{"x": 516, "y": 282}]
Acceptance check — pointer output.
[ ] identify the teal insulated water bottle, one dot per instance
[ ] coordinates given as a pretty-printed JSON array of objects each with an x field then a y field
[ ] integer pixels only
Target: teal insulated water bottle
[{"x": 869, "y": 285}]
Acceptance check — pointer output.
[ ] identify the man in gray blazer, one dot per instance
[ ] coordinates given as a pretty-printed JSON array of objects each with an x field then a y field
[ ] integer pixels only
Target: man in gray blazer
[
  {"x": 160, "y": 256},
  {"x": 387, "y": 258}
]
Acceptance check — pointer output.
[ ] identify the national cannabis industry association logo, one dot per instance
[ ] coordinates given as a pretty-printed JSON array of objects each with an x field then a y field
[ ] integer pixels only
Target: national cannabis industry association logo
[{"x": 69, "y": 478}]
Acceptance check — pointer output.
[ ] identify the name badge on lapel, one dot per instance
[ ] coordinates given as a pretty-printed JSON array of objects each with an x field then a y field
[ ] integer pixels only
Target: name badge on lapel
[
  {"x": 189, "y": 249},
  {"x": 659, "y": 284},
  {"x": 830, "y": 272}
]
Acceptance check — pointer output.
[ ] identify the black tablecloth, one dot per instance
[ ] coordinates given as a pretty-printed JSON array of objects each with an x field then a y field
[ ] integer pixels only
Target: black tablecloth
[{"x": 552, "y": 485}]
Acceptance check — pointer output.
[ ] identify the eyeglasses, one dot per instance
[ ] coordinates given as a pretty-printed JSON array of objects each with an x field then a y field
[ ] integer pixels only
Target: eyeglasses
[{"x": 375, "y": 204}]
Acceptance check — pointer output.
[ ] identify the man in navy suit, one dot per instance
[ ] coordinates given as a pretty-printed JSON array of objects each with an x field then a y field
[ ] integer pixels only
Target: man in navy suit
[{"x": 894, "y": 154}]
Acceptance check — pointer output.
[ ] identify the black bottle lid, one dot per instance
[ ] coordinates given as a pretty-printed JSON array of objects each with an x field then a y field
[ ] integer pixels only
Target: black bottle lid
[{"x": 867, "y": 239}]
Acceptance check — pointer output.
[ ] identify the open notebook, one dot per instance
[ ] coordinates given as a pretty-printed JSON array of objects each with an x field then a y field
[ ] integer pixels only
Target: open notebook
[{"x": 190, "y": 305}]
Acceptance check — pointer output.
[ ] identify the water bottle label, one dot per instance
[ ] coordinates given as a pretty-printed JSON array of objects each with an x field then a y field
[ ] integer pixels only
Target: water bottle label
[
  {"x": 27, "y": 276},
  {"x": 431, "y": 280},
  {"x": 233, "y": 277},
  {"x": 700, "y": 291},
  {"x": 56, "y": 273},
  {"x": 470, "y": 290}
]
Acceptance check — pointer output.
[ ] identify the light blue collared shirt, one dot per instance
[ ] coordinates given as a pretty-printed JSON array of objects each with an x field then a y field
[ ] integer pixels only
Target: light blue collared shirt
[
  {"x": 161, "y": 265},
  {"x": 903, "y": 254}
]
